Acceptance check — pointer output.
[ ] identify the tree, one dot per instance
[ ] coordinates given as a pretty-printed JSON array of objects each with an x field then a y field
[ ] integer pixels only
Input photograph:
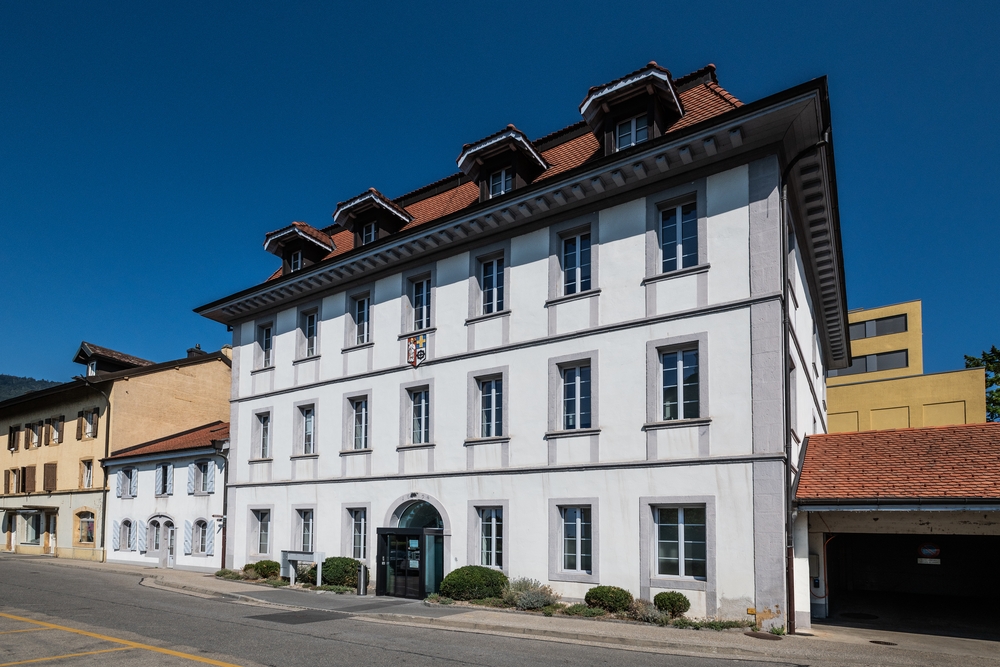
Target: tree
[{"x": 991, "y": 362}]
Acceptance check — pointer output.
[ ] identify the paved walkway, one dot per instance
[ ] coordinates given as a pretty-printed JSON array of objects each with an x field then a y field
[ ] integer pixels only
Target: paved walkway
[{"x": 822, "y": 645}]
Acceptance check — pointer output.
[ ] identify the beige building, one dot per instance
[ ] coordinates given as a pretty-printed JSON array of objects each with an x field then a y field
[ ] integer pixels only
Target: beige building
[
  {"x": 54, "y": 487},
  {"x": 885, "y": 387}
]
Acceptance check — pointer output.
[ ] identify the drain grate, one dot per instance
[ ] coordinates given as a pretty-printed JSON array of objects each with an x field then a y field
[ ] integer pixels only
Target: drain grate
[
  {"x": 858, "y": 616},
  {"x": 300, "y": 617},
  {"x": 882, "y": 643}
]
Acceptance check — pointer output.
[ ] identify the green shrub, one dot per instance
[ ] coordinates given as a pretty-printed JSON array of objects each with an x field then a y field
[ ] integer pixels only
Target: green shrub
[
  {"x": 645, "y": 611},
  {"x": 305, "y": 574},
  {"x": 342, "y": 571},
  {"x": 575, "y": 609},
  {"x": 525, "y": 593},
  {"x": 777, "y": 630},
  {"x": 276, "y": 582},
  {"x": 608, "y": 598},
  {"x": 672, "y": 602},
  {"x": 434, "y": 597},
  {"x": 266, "y": 569},
  {"x": 593, "y": 611},
  {"x": 336, "y": 589},
  {"x": 233, "y": 575},
  {"x": 473, "y": 582}
]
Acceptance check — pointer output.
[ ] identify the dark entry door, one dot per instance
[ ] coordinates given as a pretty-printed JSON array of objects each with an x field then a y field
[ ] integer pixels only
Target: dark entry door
[{"x": 403, "y": 566}]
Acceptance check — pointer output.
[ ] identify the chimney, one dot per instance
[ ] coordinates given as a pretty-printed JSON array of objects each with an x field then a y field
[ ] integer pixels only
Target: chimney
[{"x": 195, "y": 351}]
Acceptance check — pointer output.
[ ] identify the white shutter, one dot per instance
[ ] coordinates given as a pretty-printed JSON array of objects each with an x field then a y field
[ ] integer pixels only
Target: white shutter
[
  {"x": 211, "y": 476},
  {"x": 118, "y": 488},
  {"x": 187, "y": 538},
  {"x": 192, "y": 471},
  {"x": 140, "y": 529},
  {"x": 131, "y": 536},
  {"x": 170, "y": 479},
  {"x": 210, "y": 538},
  {"x": 159, "y": 479},
  {"x": 116, "y": 535},
  {"x": 134, "y": 486}
]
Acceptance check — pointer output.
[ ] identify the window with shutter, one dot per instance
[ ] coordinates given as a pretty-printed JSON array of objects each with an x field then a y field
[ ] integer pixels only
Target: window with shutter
[
  {"x": 6, "y": 482},
  {"x": 29, "y": 479},
  {"x": 60, "y": 423},
  {"x": 79, "y": 425},
  {"x": 49, "y": 477}
]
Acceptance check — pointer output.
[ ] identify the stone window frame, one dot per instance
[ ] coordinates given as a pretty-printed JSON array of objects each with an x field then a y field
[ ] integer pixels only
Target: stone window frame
[
  {"x": 83, "y": 475},
  {"x": 347, "y": 530},
  {"x": 406, "y": 413},
  {"x": 473, "y": 552},
  {"x": 474, "y": 402},
  {"x": 366, "y": 291},
  {"x": 255, "y": 430},
  {"x": 166, "y": 477},
  {"x": 301, "y": 351},
  {"x": 555, "y": 408},
  {"x": 196, "y": 549},
  {"x": 410, "y": 277},
  {"x": 76, "y": 527},
  {"x": 348, "y": 430},
  {"x": 556, "y": 573},
  {"x": 297, "y": 524},
  {"x": 298, "y": 429},
  {"x": 200, "y": 479},
  {"x": 697, "y": 191},
  {"x": 253, "y": 537},
  {"x": 647, "y": 549},
  {"x": 498, "y": 250},
  {"x": 258, "y": 357},
  {"x": 588, "y": 222},
  {"x": 654, "y": 379}
]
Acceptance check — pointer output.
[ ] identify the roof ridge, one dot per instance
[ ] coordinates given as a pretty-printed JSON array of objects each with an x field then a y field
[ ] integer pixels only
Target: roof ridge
[{"x": 180, "y": 434}]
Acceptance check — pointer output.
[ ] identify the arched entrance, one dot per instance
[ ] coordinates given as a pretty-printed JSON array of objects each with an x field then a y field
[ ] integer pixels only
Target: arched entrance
[{"x": 410, "y": 557}]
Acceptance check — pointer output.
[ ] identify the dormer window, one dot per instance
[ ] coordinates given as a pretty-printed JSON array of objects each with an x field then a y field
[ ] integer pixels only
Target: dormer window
[
  {"x": 295, "y": 261},
  {"x": 632, "y": 131},
  {"x": 501, "y": 182},
  {"x": 368, "y": 233},
  {"x": 91, "y": 368},
  {"x": 299, "y": 245}
]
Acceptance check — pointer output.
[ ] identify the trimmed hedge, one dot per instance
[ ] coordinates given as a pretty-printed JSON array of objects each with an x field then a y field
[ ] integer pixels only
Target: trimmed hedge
[
  {"x": 474, "y": 582},
  {"x": 609, "y": 598},
  {"x": 342, "y": 571},
  {"x": 266, "y": 569},
  {"x": 672, "y": 602}
]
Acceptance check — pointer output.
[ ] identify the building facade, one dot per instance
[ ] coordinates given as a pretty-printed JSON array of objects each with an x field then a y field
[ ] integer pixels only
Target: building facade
[
  {"x": 885, "y": 386},
  {"x": 166, "y": 501},
  {"x": 582, "y": 359},
  {"x": 54, "y": 488}
]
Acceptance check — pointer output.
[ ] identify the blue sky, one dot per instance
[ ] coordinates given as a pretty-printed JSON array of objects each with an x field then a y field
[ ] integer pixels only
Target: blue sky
[{"x": 146, "y": 148}]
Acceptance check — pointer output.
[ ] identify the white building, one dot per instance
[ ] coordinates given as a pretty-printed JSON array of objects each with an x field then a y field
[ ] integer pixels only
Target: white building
[
  {"x": 622, "y": 334},
  {"x": 167, "y": 503}
]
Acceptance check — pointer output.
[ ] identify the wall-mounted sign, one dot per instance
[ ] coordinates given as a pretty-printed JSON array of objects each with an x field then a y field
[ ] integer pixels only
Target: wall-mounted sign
[
  {"x": 928, "y": 561},
  {"x": 929, "y": 550},
  {"x": 416, "y": 350}
]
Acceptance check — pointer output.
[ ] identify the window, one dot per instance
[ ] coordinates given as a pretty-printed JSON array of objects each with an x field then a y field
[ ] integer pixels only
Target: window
[
  {"x": 90, "y": 423},
  {"x": 577, "y": 542},
  {"x": 359, "y": 408},
  {"x": 368, "y": 233},
  {"x": 361, "y": 320},
  {"x": 879, "y": 327},
  {"x": 359, "y": 531},
  {"x": 421, "y": 418},
  {"x": 164, "y": 483},
  {"x": 680, "y": 542},
  {"x": 262, "y": 521},
  {"x": 492, "y": 284},
  {"x": 264, "y": 435},
  {"x": 35, "y": 434},
  {"x": 491, "y": 533},
  {"x": 421, "y": 304},
  {"x": 306, "y": 534},
  {"x": 576, "y": 397},
  {"x": 307, "y": 415},
  {"x": 91, "y": 368},
  {"x": 200, "y": 541},
  {"x": 126, "y": 537},
  {"x": 309, "y": 333},
  {"x": 128, "y": 482},
  {"x": 154, "y": 535},
  {"x": 295, "y": 261},
  {"x": 679, "y": 236},
  {"x": 49, "y": 477},
  {"x": 33, "y": 528},
  {"x": 202, "y": 478},
  {"x": 265, "y": 342},
  {"x": 501, "y": 182},
  {"x": 680, "y": 385},
  {"x": 13, "y": 436},
  {"x": 576, "y": 263},
  {"x": 885, "y": 361},
  {"x": 55, "y": 435},
  {"x": 491, "y": 412},
  {"x": 632, "y": 131},
  {"x": 86, "y": 527}
]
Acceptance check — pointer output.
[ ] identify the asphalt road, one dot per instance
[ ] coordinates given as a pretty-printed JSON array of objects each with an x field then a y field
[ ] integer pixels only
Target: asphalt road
[{"x": 69, "y": 616}]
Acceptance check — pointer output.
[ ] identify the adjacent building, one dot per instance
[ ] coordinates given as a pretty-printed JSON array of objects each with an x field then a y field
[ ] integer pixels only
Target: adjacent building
[
  {"x": 54, "y": 487},
  {"x": 587, "y": 358},
  {"x": 167, "y": 499},
  {"x": 885, "y": 386}
]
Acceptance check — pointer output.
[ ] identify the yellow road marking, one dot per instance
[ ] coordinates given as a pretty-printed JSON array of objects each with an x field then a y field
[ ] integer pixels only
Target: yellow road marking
[
  {"x": 10, "y": 632},
  {"x": 130, "y": 644},
  {"x": 68, "y": 655}
]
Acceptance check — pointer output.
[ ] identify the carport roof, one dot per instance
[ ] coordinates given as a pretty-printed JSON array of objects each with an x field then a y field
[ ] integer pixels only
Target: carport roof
[{"x": 944, "y": 463}]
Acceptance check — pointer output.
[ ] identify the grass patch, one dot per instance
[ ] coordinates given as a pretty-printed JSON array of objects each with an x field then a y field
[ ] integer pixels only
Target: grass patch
[
  {"x": 276, "y": 582},
  {"x": 708, "y": 624},
  {"x": 438, "y": 599},
  {"x": 489, "y": 602},
  {"x": 232, "y": 575},
  {"x": 334, "y": 589}
]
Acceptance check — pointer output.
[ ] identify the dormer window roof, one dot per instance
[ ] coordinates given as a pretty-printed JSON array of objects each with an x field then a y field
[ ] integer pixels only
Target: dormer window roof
[
  {"x": 300, "y": 232},
  {"x": 99, "y": 359},
  {"x": 475, "y": 155},
  {"x": 370, "y": 201}
]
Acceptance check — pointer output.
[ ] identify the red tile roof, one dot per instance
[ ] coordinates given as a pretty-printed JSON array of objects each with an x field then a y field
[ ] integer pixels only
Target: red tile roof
[
  {"x": 703, "y": 98},
  {"x": 320, "y": 237},
  {"x": 196, "y": 438},
  {"x": 97, "y": 351},
  {"x": 940, "y": 462}
]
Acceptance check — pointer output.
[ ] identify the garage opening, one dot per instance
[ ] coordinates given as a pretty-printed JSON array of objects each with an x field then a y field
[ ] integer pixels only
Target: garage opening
[{"x": 942, "y": 584}]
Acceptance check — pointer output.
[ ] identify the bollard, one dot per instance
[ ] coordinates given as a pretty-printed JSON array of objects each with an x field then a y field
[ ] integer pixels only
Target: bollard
[{"x": 362, "y": 571}]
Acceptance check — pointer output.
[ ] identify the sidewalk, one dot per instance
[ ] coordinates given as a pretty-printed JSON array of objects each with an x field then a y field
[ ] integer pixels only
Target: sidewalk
[{"x": 824, "y": 645}]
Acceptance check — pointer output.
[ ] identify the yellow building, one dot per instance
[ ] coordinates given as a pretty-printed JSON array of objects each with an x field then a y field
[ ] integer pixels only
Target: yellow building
[
  {"x": 54, "y": 487},
  {"x": 885, "y": 387}
]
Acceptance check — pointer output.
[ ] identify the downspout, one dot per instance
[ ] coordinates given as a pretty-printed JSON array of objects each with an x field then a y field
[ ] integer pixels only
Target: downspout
[
  {"x": 224, "y": 451},
  {"x": 789, "y": 528},
  {"x": 107, "y": 453}
]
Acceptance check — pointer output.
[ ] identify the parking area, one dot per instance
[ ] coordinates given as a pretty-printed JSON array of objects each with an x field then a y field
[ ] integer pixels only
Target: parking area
[{"x": 29, "y": 641}]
